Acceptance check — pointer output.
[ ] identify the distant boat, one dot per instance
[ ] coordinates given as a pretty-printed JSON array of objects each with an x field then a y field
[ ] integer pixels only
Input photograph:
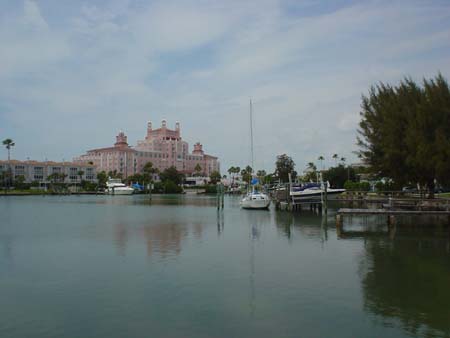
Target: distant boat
[
  {"x": 310, "y": 190},
  {"x": 114, "y": 186},
  {"x": 254, "y": 199}
]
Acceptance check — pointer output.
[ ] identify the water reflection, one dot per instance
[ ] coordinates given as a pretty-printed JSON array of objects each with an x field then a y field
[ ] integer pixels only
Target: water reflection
[
  {"x": 121, "y": 238},
  {"x": 407, "y": 280},
  {"x": 266, "y": 273},
  {"x": 166, "y": 239},
  {"x": 220, "y": 221},
  {"x": 307, "y": 224},
  {"x": 6, "y": 242},
  {"x": 180, "y": 200}
]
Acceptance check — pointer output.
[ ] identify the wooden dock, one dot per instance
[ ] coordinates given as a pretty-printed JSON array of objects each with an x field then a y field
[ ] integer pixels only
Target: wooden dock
[
  {"x": 348, "y": 211},
  {"x": 390, "y": 213}
]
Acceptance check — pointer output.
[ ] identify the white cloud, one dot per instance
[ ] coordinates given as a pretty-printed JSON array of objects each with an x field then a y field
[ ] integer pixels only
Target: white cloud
[
  {"x": 32, "y": 16},
  {"x": 107, "y": 67}
]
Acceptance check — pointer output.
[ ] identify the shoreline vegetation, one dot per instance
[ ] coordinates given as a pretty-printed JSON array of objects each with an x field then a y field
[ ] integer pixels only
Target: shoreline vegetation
[
  {"x": 403, "y": 139},
  {"x": 159, "y": 189}
]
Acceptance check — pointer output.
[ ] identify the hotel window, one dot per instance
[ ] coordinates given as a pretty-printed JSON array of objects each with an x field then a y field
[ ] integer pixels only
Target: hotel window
[
  {"x": 39, "y": 170},
  {"x": 19, "y": 170}
]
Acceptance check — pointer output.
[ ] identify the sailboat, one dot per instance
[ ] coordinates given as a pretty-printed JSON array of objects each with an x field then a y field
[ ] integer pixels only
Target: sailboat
[{"x": 254, "y": 198}]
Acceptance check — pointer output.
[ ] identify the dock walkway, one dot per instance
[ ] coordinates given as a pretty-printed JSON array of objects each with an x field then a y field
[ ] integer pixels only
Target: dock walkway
[{"x": 348, "y": 211}]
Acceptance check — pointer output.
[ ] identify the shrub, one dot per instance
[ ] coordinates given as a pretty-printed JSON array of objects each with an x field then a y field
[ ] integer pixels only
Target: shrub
[
  {"x": 356, "y": 186},
  {"x": 172, "y": 188},
  {"x": 211, "y": 189}
]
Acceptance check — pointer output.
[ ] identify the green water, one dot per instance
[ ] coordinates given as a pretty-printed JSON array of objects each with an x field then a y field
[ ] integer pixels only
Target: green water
[{"x": 113, "y": 266}]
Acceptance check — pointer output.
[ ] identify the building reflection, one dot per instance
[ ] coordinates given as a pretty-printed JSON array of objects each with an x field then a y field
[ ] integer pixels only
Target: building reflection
[
  {"x": 163, "y": 239},
  {"x": 407, "y": 280},
  {"x": 166, "y": 239},
  {"x": 121, "y": 238}
]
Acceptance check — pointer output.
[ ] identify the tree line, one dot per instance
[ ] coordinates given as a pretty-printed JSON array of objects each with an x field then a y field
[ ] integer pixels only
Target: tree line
[{"x": 404, "y": 133}]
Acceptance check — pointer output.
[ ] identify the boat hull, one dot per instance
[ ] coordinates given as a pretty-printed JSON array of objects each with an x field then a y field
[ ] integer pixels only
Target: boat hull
[
  {"x": 119, "y": 191},
  {"x": 250, "y": 203},
  {"x": 314, "y": 193}
]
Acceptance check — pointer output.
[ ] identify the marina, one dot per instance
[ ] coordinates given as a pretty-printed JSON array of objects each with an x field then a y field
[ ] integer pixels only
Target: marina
[{"x": 223, "y": 169}]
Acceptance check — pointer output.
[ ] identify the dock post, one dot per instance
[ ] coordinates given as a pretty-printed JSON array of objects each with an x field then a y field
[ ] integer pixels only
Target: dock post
[
  {"x": 391, "y": 220},
  {"x": 325, "y": 201},
  {"x": 339, "y": 221},
  {"x": 223, "y": 197},
  {"x": 220, "y": 195}
]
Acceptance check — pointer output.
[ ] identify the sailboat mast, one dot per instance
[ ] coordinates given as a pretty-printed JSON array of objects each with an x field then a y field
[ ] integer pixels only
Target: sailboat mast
[{"x": 251, "y": 132}]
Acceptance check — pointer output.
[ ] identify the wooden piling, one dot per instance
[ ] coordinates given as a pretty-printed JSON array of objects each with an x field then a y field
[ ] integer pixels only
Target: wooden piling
[{"x": 339, "y": 220}]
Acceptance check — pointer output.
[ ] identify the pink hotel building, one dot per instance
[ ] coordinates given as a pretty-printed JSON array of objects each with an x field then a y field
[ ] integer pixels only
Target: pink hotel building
[{"x": 163, "y": 147}]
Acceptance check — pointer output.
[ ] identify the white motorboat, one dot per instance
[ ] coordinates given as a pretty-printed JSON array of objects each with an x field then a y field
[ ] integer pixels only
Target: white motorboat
[
  {"x": 255, "y": 200},
  {"x": 114, "y": 186},
  {"x": 312, "y": 190}
]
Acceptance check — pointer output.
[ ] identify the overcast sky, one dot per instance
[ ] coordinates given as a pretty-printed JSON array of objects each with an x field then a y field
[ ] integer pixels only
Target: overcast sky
[{"x": 74, "y": 73}]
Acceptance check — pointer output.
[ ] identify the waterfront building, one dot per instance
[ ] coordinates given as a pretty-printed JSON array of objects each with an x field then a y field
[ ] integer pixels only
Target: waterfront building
[
  {"x": 35, "y": 171},
  {"x": 162, "y": 146}
]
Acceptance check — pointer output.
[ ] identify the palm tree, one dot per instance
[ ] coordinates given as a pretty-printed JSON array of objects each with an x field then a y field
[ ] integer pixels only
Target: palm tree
[
  {"x": 261, "y": 174},
  {"x": 335, "y": 157},
  {"x": 312, "y": 166},
  {"x": 343, "y": 159},
  {"x": 237, "y": 170},
  {"x": 8, "y": 143},
  {"x": 231, "y": 170},
  {"x": 198, "y": 169},
  {"x": 321, "y": 161}
]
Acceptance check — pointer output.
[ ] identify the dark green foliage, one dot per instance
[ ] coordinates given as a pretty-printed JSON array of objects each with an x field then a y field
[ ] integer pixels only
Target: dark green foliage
[
  {"x": 215, "y": 177},
  {"x": 198, "y": 170},
  {"x": 283, "y": 166},
  {"x": 158, "y": 188},
  {"x": 171, "y": 187},
  {"x": 210, "y": 189},
  {"x": 19, "y": 182},
  {"x": 356, "y": 186},
  {"x": 247, "y": 173},
  {"x": 166, "y": 187},
  {"x": 337, "y": 176},
  {"x": 136, "y": 178},
  {"x": 115, "y": 174},
  {"x": 405, "y": 131},
  {"x": 148, "y": 171},
  {"x": 88, "y": 186},
  {"x": 268, "y": 179},
  {"x": 387, "y": 186},
  {"x": 172, "y": 174},
  {"x": 102, "y": 178}
]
